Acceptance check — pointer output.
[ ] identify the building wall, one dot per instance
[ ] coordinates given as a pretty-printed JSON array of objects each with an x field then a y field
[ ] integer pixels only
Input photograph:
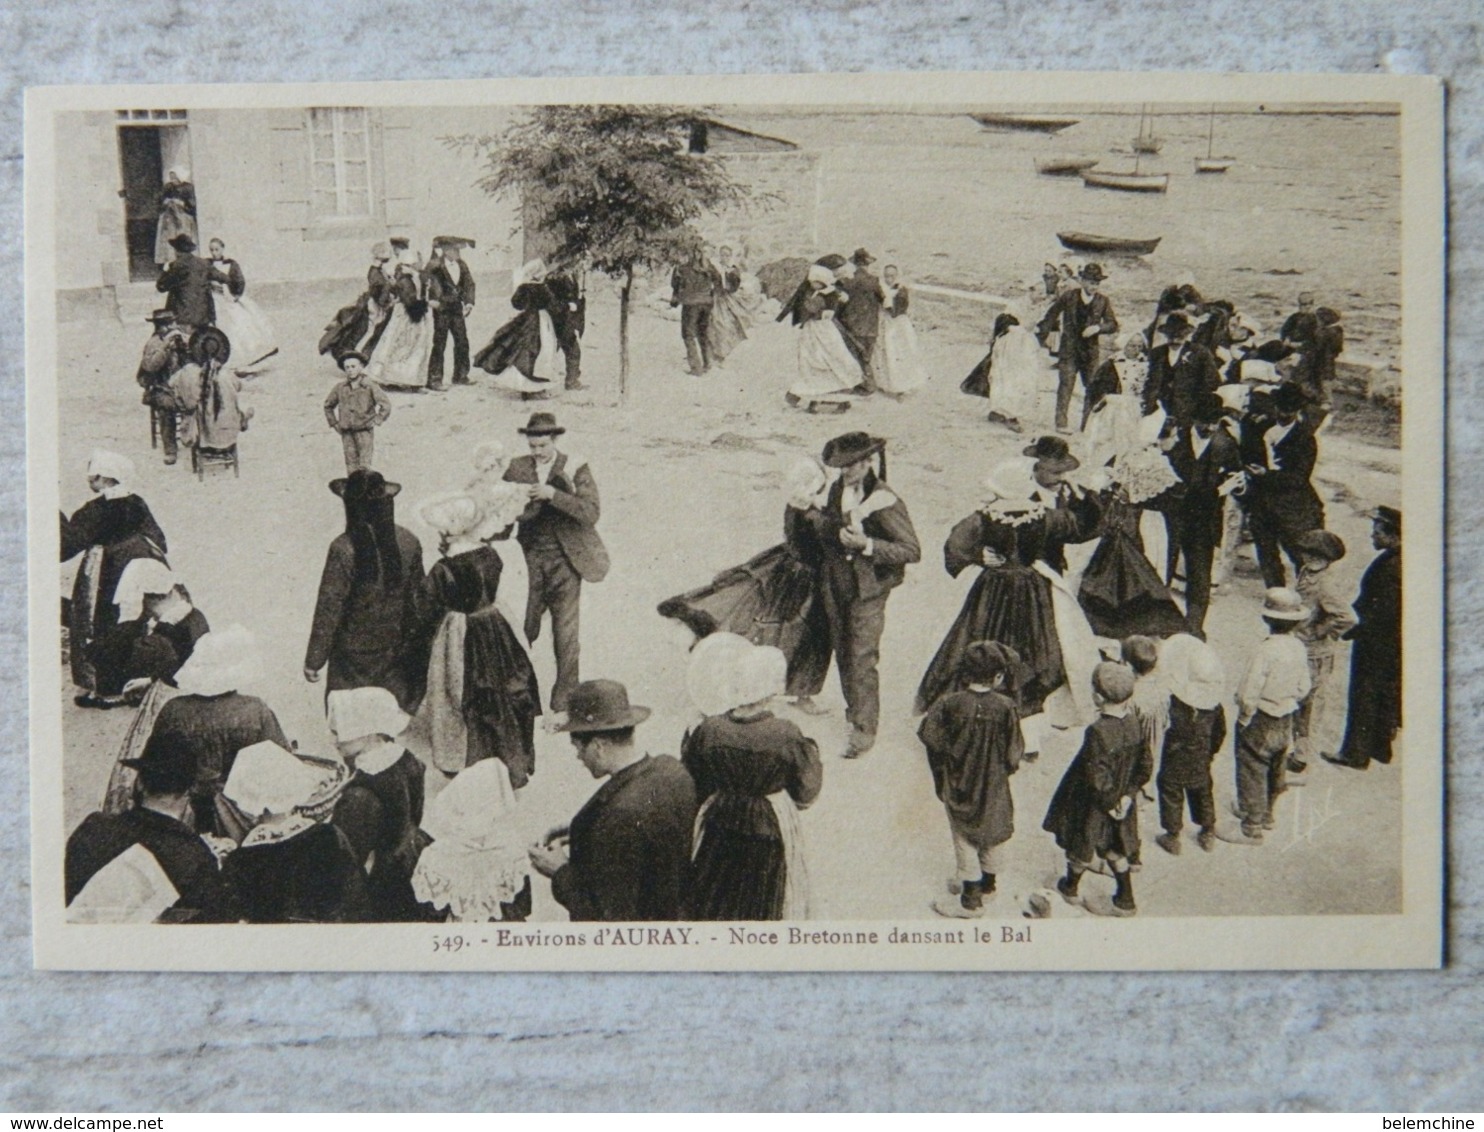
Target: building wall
[{"x": 782, "y": 218}]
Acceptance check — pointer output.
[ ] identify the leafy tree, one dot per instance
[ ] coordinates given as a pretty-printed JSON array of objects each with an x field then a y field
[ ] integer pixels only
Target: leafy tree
[{"x": 612, "y": 188}]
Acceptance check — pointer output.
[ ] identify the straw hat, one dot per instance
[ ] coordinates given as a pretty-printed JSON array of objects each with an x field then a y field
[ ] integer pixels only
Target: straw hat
[
  {"x": 1283, "y": 604},
  {"x": 222, "y": 661}
]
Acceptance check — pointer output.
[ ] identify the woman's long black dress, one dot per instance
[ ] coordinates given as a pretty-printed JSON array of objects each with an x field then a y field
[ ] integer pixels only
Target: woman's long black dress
[
  {"x": 769, "y": 599},
  {"x": 1121, "y": 592},
  {"x": 518, "y": 342}
]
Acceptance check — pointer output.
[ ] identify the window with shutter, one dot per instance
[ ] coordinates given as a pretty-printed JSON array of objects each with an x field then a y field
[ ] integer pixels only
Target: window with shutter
[{"x": 340, "y": 177}]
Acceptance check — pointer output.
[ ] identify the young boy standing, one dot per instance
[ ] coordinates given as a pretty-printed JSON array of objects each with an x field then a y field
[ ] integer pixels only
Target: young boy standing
[
  {"x": 354, "y": 408},
  {"x": 1196, "y": 731},
  {"x": 974, "y": 745},
  {"x": 1268, "y": 698},
  {"x": 1091, "y": 811},
  {"x": 1331, "y": 617}
]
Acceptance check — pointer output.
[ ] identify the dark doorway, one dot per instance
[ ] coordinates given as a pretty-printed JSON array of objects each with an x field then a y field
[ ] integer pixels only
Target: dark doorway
[{"x": 143, "y": 177}]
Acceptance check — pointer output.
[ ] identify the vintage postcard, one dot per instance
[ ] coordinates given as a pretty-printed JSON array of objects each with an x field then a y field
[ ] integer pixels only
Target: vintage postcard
[{"x": 777, "y": 523}]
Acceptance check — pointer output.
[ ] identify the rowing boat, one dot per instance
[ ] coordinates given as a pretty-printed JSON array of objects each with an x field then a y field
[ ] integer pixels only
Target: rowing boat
[
  {"x": 1033, "y": 122},
  {"x": 1063, "y": 166},
  {"x": 1107, "y": 245},
  {"x": 1127, "y": 182}
]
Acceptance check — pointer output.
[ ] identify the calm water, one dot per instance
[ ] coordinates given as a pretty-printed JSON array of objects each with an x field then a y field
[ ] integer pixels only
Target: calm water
[{"x": 1313, "y": 194}]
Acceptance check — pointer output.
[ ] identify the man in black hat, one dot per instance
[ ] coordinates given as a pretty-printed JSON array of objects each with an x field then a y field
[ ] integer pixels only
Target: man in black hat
[
  {"x": 558, "y": 533},
  {"x": 363, "y": 614},
  {"x": 1281, "y": 501},
  {"x": 693, "y": 289},
  {"x": 187, "y": 280},
  {"x": 860, "y": 319},
  {"x": 451, "y": 297},
  {"x": 626, "y": 854},
  {"x": 1374, "y": 715},
  {"x": 867, "y": 541},
  {"x": 1081, "y": 314},
  {"x": 159, "y": 821},
  {"x": 568, "y": 322},
  {"x": 164, "y": 353},
  {"x": 1205, "y": 456},
  {"x": 1181, "y": 373}
]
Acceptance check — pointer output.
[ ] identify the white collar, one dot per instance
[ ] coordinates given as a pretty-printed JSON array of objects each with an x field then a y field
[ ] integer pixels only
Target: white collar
[
  {"x": 117, "y": 491},
  {"x": 1117, "y": 711},
  {"x": 379, "y": 758}
]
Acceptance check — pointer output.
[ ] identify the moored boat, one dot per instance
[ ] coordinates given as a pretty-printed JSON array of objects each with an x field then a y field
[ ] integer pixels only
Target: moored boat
[
  {"x": 1038, "y": 123},
  {"x": 1063, "y": 166},
  {"x": 1107, "y": 245},
  {"x": 1127, "y": 182},
  {"x": 1212, "y": 164},
  {"x": 1146, "y": 142}
]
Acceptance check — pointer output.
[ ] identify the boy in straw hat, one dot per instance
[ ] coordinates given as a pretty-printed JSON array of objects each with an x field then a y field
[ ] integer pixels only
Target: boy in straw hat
[
  {"x": 1091, "y": 812},
  {"x": 974, "y": 745},
  {"x": 1330, "y": 619},
  {"x": 1268, "y": 698},
  {"x": 1195, "y": 730},
  {"x": 382, "y": 804}
]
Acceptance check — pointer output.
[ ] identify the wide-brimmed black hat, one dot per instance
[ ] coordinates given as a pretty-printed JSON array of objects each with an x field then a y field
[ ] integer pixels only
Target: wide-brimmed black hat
[
  {"x": 1093, "y": 271},
  {"x": 601, "y": 705},
  {"x": 1053, "y": 454},
  {"x": 1175, "y": 325},
  {"x": 542, "y": 424},
  {"x": 862, "y": 257},
  {"x": 362, "y": 485},
  {"x": 356, "y": 354},
  {"x": 181, "y": 242},
  {"x": 168, "y": 760},
  {"x": 164, "y": 314},
  {"x": 209, "y": 340},
  {"x": 832, "y": 261},
  {"x": 1289, "y": 398},
  {"x": 1208, "y": 409},
  {"x": 1320, "y": 544},
  {"x": 452, "y": 242},
  {"x": 400, "y": 242},
  {"x": 851, "y": 448}
]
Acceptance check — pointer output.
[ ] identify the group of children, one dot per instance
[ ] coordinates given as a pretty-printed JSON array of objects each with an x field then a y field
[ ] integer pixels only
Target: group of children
[{"x": 1158, "y": 702}]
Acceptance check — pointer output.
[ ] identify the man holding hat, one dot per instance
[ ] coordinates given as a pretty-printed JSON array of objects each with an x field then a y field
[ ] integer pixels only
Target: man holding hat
[
  {"x": 187, "y": 280},
  {"x": 1375, "y": 712},
  {"x": 859, "y": 320},
  {"x": 626, "y": 854},
  {"x": 1281, "y": 501},
  {"x": 1081, "y": 314},
  {"x": 866, "y": 542},
  {"x": 451, "y": 297},
  {"x": 160, "y": 822},
  {"x": 559, "y": 534},
  {"x": 1181, "y": 373},
  {"x": 1205, "y": 456}
]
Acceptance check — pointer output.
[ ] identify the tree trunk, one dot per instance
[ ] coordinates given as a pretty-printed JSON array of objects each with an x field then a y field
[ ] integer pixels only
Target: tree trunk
[{"x": 623, "y": 333}]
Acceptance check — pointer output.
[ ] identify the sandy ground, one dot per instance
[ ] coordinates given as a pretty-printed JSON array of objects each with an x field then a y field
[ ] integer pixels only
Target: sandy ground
[{"x": 691, "y": 475}]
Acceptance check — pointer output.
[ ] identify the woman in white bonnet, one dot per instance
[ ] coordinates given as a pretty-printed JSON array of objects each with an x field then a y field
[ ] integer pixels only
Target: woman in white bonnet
[
  {"x": 477, "y": 868},
  {"x": 482, "y": 698},
  {"x": 177, "y": 213},
  {"x": 770, "y": 598},
  {"x": 523, "y": 354}
]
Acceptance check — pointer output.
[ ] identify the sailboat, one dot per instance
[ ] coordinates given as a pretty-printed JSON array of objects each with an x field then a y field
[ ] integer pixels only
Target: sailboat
[
  {"x": 1146, "y": 142},
  {"x": 1210, "y": 164}
]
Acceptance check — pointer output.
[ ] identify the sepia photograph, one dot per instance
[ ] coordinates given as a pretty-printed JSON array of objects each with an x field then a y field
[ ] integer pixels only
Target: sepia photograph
[{"x": 847, "y": 522}]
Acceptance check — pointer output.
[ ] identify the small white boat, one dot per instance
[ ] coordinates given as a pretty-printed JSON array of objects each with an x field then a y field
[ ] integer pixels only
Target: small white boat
[{"x": 1134, "y": 182}]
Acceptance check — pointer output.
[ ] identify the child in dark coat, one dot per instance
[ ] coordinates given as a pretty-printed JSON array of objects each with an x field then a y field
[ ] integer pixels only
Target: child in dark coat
[
  {"x": 1091, "y": 811},
  {"x": 974, "y": 745},
  {"x": 1195, "y": 732}
]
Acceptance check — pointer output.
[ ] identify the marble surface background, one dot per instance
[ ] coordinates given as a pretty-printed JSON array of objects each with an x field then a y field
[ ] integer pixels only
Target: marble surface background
[{"x": 92, "y": 1043}]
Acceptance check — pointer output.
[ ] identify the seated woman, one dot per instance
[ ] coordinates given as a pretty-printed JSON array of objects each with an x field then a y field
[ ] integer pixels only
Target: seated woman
[
  {"x": 208, "y": 394},
  {"x": 292, "y": 865},
  {"x": 477, "y": 869},
  {"x": 157, "y": 632}
]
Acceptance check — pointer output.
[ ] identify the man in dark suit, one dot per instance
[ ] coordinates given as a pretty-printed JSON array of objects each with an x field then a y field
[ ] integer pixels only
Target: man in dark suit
[
  {"x": 860, "y": 319},
  {"x": 558, "y": 533},
  {"x": 186, "y": 281},
  {"x": 1204, "y": 456},
  {"x": 1281, "y": 501},
  {"x": 1081, "y": 314},
  {"x": 1374, "y": 714},
  {"x": 693, "y": 289},
  {"x": 626, "y": 854},
  {"x": 568, "y": 318},
  {"x": 1181, "y": 373},
  {"x": 866, "y": 541},
  {"x": 451, "y": 296}
]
